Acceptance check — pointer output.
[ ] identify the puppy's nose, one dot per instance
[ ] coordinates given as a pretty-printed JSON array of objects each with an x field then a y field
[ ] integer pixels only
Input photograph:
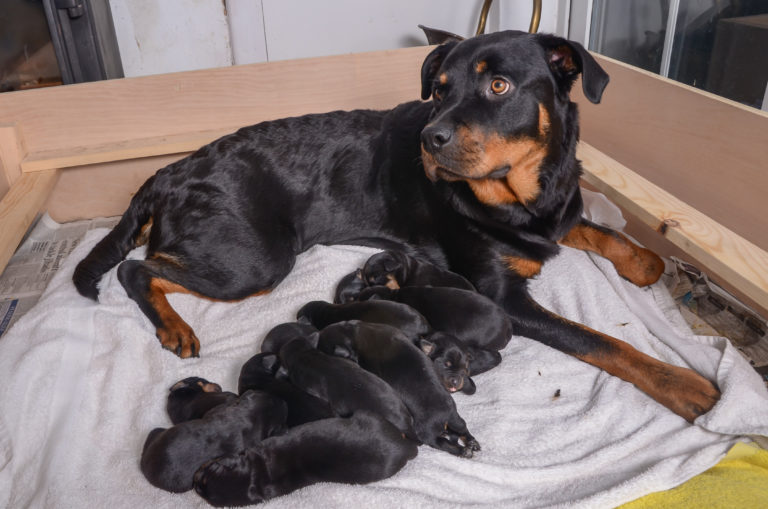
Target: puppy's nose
[
  {"x": 436, "y": 137},
  {"x": 455, "y": 382}
]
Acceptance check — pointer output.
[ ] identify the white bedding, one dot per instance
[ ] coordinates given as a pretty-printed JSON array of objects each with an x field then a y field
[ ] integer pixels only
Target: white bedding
[{"x": 83, "y": 383}]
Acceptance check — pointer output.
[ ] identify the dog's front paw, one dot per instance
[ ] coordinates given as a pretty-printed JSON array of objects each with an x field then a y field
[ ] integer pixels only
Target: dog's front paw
[
  {"x": 683, "y": 391},
  {"x": 180, "y": 339}
]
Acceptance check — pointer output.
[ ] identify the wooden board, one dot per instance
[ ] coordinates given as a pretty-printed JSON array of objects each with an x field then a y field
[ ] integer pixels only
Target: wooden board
[
  {"x": 19, "y": 208},
  {"x": 709, "y": 152},
  {"x": 731, "y": 256}
]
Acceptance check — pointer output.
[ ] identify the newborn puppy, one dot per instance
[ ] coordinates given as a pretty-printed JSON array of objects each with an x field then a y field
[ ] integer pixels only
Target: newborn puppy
[
  {"x": 192, "y": 397},
  {"x": 395, "y": 269},
  {"x": 390, "y": 355},
  {"x": 473, "y": 318},
  {"x": 349, "y": 286},
  {"x": 281, "y": 334},
  {"x": 357, "y": 450},
  {"x": 259, "y": 373},
  {"x": 403, "y": 317},
  {"x": 343, "y": 384},
  {"x": 450, "y": 354},
  {"x": 171, "y": 456}
]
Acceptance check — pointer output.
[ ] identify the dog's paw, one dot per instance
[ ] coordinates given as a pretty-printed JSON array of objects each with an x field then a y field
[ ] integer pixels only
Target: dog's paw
[
  {"x": 685, "y": 392},
  {"x": 180, "y": 339}
]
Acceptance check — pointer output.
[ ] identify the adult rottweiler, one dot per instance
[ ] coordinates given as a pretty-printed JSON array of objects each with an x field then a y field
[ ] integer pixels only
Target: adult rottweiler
[{"x": 481, "y": 180}]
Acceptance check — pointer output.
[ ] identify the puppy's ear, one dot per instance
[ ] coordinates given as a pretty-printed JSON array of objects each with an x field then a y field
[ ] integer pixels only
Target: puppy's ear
[
  {"x": 427, "y": 346},
  {"x": 431, "y": 65},
  {"x": 437, "y": 36},
  {"x": 344, "y": 352},
  {"x": 270, "y": 362},
  {"x": 469, "y": 386},
  {"x": 567, "y": 59}
]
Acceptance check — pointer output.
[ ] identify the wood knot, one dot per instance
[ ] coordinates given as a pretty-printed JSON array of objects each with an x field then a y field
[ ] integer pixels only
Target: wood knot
[{"x": 667, "y": 224}]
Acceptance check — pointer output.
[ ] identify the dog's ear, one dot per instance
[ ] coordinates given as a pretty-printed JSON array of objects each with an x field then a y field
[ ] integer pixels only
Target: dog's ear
[
  {"x": 427, "y": 346},
  {"x": 431, "y": 65},
  {"x": 567, "y": 59},
  {"x": 469, "y": 386},
  {"x": 270, "y": 362},
  {"x": 437, "y": 36}
]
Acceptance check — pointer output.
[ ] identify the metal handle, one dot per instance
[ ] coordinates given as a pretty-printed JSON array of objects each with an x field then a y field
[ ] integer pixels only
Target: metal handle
[{"x": 532, "y": 28}]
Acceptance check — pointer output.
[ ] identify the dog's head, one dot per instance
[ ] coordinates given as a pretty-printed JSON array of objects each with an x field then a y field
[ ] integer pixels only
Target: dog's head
[{"x": 502, "y": 110}]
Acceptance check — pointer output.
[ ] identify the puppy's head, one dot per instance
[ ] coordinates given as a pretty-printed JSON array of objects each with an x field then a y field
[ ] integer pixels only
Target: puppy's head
[
  {"x": 281, "y": 334},
  {"x": 450, "y": 361},
  {"x": 194, "y": 384},
  {"x": 385, "y": 269},
  {"x": 349, "y": 287},
  {"x": 502, "y": 110}
]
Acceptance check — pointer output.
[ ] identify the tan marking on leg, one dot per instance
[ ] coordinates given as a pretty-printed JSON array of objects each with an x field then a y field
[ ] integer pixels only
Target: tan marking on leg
[
  {"x": 522, "y": 266},
  {"x": 682, "y": 390},
  {"x": 639, "y": 265},
  {"x": 143, "y": 236},
  {"x": 175, "y": 334}
]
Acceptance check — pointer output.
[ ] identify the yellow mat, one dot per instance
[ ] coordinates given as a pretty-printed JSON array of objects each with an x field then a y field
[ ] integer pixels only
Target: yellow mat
[{"x": 738, "y": 481}]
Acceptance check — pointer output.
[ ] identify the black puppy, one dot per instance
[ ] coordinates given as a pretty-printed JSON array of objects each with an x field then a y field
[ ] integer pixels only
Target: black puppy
[
  {"x": 473, "y": 318},
  {"x": 349, "y": 286},
  {"x": 390, "y": 355},
  {"x": 259, "y": 373},
  {"x": 452, "y": 357},
  {"x": 403, "y": 317},
  {"x": 281, "y": 334},
  {"x": 192, "y": 397},
  {"x": 343, "y": 384},
  {"x": 395, "y": 269},
  {"x": 171, "y": 456},
  {"x": 357, "y": 450}
]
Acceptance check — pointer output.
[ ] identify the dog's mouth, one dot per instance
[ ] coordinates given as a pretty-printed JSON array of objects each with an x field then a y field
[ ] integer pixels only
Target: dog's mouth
[{"x": 437, "y": 167}]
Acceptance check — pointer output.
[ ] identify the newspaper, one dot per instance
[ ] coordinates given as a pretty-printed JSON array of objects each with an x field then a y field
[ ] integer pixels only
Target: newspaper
[
  {"x": 711, "y": 310},
  {"x": 36, "y": 260}
]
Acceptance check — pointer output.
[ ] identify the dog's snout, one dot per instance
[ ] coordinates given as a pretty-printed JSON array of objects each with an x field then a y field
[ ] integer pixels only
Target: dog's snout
[{"x": 436, "y": 137}]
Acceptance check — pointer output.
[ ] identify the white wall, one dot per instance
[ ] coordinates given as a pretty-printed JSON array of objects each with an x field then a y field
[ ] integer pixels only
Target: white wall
[{"x": 157, "y": 36}]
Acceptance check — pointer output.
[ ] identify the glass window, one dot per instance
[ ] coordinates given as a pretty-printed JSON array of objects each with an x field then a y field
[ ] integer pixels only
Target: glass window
[{"x": 720, "y": 46}]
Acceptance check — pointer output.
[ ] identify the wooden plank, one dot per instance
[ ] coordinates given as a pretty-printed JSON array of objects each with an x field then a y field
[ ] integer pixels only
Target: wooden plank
[
  {"x": 19, "y": 208},
  {"x": 710, "y": 152},
  {"x": 726, "y": 253},
  {"x": 110, "y": 112},
  {"x": 101, "y": 190},
  {"x": 12, "y": 151},
  {"x": 122, "y": 150}
]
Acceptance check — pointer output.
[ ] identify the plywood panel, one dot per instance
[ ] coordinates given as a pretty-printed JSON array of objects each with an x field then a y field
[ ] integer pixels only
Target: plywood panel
[
  {"x": 19, "y": 207},
  {"x": 709, "y": 152},
  {"x": 109, "y": 112}
]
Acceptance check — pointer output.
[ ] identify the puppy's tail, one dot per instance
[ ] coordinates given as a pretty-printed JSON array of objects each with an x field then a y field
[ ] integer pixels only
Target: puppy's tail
[{"x": 113, "y": 248}]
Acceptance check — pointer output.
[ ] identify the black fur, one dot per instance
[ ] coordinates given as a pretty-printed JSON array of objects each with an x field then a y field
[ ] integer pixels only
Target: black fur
[
  {"x": 171, "y": 456},
  {"x": 192, "y": 397},
  {"x": 396, "y": 269},
  {"x": 343, "y": 384},
  {"x": 390, "y": 355},
  {"x": 259, "y": 373},
  {"x": 357, "y": 450}
]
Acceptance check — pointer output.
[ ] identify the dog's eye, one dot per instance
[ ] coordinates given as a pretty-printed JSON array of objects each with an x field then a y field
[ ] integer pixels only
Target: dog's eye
[{"x": 499, "y": 86}]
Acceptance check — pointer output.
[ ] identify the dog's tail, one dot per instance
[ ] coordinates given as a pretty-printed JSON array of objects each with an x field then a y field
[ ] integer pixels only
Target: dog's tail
[{"x": 113, "y": 248}]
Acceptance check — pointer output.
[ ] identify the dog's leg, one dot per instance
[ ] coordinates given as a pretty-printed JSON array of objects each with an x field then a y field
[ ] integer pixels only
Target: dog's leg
[
  {"x": 682, "y": 390},
  {"x": 147, "y": 282},
  {"x": 637, "y": 264}
]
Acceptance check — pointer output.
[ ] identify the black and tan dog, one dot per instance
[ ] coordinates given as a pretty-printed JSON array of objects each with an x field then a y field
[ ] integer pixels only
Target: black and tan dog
[
  {"x": 171, "y": 456},
  {"x": 193, "y": 397},
  {"x": 357, "y": 450},
  {"x": 481, "y": 180}
]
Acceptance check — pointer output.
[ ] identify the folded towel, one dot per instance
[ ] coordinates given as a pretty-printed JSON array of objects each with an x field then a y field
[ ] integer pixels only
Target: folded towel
[{"x": 83, "y": 384}]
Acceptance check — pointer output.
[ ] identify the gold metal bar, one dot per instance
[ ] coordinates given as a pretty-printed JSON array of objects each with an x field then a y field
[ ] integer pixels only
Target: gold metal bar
[
  {"x": 535, "y": 17},
  {"x": 483, "y": 17},
  {"x": 532, "y": 28}
]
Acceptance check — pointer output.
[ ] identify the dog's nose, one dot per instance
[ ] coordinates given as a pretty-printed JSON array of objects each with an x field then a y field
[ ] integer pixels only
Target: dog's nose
[{"x": 436, "y": 137}]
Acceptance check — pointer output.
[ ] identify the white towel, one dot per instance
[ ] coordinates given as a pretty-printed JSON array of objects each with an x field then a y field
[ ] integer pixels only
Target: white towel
[{"x": 83, "y": 383}]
